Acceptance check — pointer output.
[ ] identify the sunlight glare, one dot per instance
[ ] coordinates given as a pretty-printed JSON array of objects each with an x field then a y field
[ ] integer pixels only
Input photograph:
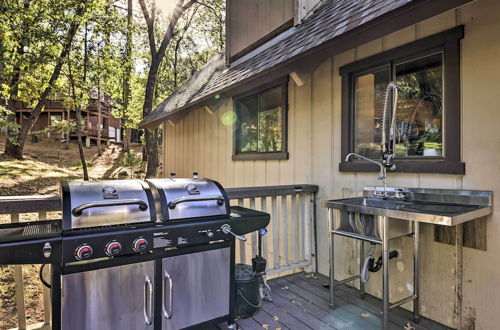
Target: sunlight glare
[{"x": 166, "y": 6}]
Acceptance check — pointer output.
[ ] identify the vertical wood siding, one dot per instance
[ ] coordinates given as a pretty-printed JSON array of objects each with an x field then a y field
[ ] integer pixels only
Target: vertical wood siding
[
  {"x": 202, "y": 142},
  {"x": 251, "y": 20}
]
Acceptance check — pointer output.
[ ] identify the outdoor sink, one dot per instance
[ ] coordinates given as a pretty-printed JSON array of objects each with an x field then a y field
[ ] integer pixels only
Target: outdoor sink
[{"x": 362, "y": 216}]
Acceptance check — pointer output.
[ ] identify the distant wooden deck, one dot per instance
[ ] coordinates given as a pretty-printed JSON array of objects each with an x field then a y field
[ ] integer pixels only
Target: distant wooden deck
[{"x": 303, "y": 303}]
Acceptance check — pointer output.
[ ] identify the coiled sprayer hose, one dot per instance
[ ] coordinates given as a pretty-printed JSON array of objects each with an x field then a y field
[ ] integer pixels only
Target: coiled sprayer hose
[{"x": 365, "y": 272}]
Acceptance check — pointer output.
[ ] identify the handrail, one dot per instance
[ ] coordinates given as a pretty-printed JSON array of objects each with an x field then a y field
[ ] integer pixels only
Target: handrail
[
  {"x": 29, "y": 204},
  {"x": 269, "y": 191},
  {"x": 37, "y": 203}
]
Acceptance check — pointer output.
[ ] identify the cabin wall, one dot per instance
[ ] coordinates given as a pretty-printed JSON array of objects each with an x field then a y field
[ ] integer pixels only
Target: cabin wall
[{"x": 202, "y": 142}]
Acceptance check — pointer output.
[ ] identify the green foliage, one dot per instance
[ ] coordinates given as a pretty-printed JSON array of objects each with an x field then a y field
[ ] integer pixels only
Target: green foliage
[
  {"x": 201, "y": 35},
  {"x": 132, "y": 160},
  {"x": 32, "y": 34}
]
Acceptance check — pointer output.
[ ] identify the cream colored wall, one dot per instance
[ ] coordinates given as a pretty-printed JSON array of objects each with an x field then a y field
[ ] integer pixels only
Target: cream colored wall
[{"x": 201, "y": 142}]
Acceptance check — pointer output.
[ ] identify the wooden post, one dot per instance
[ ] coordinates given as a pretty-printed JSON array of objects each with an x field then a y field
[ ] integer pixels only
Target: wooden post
[
  {"x": 243, "y": 255},
  {"x": 253, "y": 236},
  {"x": 284, "y": 229},
  {"x": 19, "y": 285},
  {"x": 42, "y": 215},
  {"x": 276, "y": 233}
]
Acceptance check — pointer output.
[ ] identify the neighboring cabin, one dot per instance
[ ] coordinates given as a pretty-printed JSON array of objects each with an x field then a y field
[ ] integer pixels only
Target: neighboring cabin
[
  {"x": 297, "y": 90},
  {"x": 110, "y": 126}
]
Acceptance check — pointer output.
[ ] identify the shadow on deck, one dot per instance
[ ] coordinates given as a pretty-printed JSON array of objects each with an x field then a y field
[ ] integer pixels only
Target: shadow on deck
[{"x": 301, "y": 302}]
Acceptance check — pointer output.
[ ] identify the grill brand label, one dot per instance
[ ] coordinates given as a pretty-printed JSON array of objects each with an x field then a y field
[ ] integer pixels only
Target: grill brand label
[
  {"x": 109, "y": 192},
  {"x": 192, "y": 189}
]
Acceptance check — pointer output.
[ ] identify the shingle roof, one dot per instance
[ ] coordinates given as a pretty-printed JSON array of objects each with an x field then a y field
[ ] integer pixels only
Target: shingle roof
[{"x": 329, "y": 21}]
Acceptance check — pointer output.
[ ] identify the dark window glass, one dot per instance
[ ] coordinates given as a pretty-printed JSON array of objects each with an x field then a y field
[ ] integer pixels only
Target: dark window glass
[
  {"x": 247, "y": 125},
  {"x": 269, "y": 125},
  {"x": 260, "y": 122},
  {"x": 420, "y": 110},
  {"x": 369, "y": 89},
  {"x": 419, "y": 116}
]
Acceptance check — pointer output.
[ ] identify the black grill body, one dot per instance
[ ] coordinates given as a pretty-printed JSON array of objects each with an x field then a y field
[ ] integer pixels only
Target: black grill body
[{"x": 165, "y": 246}]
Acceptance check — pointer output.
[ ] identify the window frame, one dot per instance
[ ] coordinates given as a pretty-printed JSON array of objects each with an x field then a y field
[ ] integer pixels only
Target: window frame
[
  {"x": 447, "y": 42},
  {"x": 280, "y": 155}
]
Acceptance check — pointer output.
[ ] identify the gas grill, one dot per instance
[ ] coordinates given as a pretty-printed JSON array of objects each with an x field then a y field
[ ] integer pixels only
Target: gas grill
[{"x": 131, "y": 254}]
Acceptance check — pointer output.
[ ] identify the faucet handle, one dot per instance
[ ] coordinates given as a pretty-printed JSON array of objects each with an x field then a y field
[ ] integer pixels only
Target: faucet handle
[{"x": 399, "y": 193}]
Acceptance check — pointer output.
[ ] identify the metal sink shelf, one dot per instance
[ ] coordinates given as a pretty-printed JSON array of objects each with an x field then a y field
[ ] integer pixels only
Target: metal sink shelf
[
  {"x": 446, "y": 214},
  {"x": 382, "y": 215},
  {"x": 448, "y": 207}
]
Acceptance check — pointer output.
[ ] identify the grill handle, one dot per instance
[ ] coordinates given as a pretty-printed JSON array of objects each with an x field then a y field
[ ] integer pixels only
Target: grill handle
[
  {"x": 220, "y": 200},
  {"x": 167, "y": 313},
  {"x": 77, "y": 211},
  {"x": 148, "y": 301}
]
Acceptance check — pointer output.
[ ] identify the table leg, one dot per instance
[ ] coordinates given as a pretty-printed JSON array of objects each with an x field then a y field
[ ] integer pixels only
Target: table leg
[
  {"x": 385, "y": 260},
  {"x": 416, "y": 285},
  {"x": 361, "y": 262},
  {"x": 332, "y": 256}
]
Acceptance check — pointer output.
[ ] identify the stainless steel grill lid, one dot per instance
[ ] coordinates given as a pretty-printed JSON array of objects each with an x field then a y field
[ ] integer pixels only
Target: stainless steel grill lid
[
  {"x": 102, "y": 203},
  {"x": 190, "y": 198}
]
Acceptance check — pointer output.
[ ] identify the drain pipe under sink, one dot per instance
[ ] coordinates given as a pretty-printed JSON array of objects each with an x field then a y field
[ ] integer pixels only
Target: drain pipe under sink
[{"x": 369, "y": 265}]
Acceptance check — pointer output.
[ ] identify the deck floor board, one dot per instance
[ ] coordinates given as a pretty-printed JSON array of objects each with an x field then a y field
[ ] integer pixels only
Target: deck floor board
[{"x": 301, "y": 302}]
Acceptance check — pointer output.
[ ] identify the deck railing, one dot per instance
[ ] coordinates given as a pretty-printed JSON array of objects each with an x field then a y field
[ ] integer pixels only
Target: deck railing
[{"x": 288, "y": 245}]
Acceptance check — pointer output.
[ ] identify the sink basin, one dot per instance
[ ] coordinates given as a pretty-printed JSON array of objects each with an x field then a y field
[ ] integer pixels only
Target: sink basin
[{"x": 443, "y": 207}]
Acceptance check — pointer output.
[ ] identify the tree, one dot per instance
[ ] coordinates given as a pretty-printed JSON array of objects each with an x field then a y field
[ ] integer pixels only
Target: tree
[
  {"x": 157, "y": 56},
  {"x": 77, "y": 104},
  {"x": 28, "y": 24},
  {"x": 127, "y": 73}
]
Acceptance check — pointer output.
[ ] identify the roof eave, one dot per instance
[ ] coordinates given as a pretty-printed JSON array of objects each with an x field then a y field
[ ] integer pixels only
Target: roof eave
[{"x": 412, "y": 13}]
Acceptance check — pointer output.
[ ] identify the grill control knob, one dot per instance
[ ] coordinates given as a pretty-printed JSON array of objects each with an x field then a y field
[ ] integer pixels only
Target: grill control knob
[
  {"x": 140, "y": 245},
  {"x": 83, "y": 252},
  {"x": 113, "y": 248}
]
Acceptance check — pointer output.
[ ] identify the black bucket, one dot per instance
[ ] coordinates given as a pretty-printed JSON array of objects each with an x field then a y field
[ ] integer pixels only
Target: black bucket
[{"x": 247, "y": 298}]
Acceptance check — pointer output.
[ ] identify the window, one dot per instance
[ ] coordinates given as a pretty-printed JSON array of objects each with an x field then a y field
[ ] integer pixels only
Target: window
[
  {"x": 260, "y": 127},
  {"x": 428, "y": 110}
]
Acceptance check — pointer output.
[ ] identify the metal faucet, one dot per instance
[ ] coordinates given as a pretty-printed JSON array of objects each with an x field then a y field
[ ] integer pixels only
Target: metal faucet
[
  {"x": 383, "y": 170},
  {"x": 387, "y": 148}
]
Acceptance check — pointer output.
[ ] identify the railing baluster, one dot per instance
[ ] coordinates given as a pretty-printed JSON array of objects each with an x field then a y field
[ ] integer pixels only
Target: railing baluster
[
  {"x": 284, "y": 228},
  {"x": 263, "y": 207},
  {"x": 253, "y": 235},
  {"x": 294, "y": 229},
  {"x": 243, "y": 257},
  {"x": 42, "y": 215},
  {"x": 276, "y": 233},
  {"x": 19, "y": 285},
  {"x": 308, "y": 232}
]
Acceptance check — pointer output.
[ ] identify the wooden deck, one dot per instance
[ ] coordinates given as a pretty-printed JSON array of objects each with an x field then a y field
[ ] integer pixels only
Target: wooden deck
[{"x": 301, "y": 302}]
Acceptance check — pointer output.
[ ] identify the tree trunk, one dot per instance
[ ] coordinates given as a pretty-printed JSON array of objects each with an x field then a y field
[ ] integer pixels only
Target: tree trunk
[
  {"x": 79, "y": 114},
  {"x": 99, "y": 152},
  {"x": 10, "y": 143},
  {"x": 127, "y": 138},
  {"x": 149, "y": 136},
  {"x": 156, "y": 58},
  {"x": 80, "y": 143},
  {"x": 127, "y": 77}
]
